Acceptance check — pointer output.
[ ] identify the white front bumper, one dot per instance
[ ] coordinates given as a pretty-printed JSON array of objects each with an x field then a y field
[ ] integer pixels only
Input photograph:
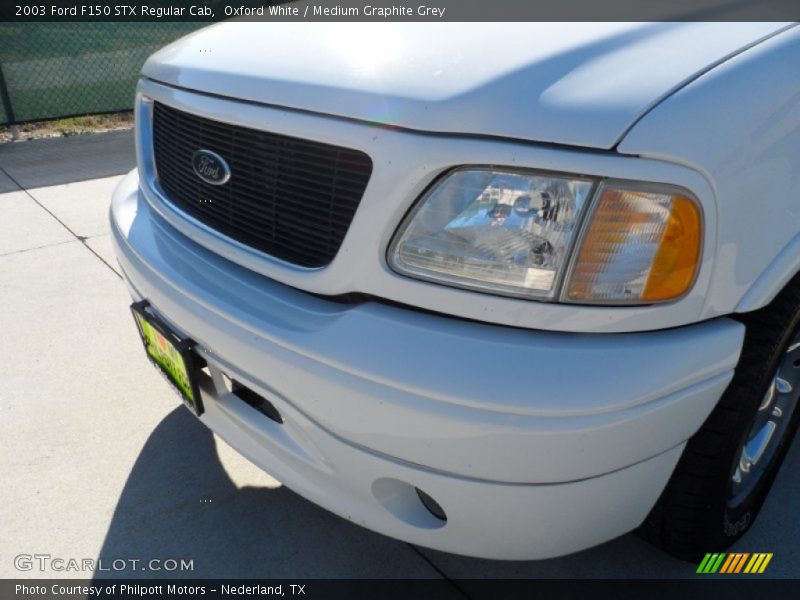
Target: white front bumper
[{"x": 535, "y": 444}]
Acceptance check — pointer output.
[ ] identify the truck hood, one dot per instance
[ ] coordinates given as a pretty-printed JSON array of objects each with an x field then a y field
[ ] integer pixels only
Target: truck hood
[{"x": 581, "y": 84}]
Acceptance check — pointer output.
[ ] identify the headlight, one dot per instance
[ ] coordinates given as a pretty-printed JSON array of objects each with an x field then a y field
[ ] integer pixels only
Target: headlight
[
  {"x": 513, "y": 233},
  {"x": 493, "y": 230}
]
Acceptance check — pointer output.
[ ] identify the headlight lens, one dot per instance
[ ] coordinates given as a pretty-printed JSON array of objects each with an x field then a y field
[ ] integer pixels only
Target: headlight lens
[
  {"x": 493, "y": 230},
  {"x": 512, "y": 233}
]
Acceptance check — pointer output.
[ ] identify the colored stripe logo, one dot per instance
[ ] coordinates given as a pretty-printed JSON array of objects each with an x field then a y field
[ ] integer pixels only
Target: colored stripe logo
[{"x": 734, "y": 562}]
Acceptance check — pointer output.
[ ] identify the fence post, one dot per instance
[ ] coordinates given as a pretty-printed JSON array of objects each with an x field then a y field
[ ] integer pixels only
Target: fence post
[{"x": 6, "y": 99}]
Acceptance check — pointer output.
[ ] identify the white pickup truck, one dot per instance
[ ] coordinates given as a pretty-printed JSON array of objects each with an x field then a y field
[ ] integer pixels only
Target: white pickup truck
[{"x": 505, "y": 290}]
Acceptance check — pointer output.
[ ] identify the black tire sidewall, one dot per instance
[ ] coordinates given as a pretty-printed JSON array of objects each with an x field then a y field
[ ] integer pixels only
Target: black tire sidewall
[{"x": 736, "y": 521}]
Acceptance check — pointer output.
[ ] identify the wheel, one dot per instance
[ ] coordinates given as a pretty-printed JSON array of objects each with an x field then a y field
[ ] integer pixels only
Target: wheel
[{"x": 728, "y": 466}]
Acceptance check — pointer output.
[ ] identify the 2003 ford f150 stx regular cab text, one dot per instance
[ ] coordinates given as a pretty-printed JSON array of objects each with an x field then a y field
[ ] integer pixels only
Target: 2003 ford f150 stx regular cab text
[{"x": 508, "y": 300}]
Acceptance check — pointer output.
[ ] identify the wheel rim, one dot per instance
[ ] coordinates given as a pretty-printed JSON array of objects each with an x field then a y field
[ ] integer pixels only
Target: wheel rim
[{"x": 770, "y": 426}]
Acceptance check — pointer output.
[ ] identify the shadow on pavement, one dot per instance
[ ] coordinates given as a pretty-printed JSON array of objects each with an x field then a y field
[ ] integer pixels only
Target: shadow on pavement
[
  {"x": 53, "y": 161},
  {"x": 179, "y": 503},
  {"x": 6, "y": 185}
]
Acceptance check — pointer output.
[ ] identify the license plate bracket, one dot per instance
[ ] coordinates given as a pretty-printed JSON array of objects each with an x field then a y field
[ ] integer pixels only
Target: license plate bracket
[{"x": 172, "y": 355}]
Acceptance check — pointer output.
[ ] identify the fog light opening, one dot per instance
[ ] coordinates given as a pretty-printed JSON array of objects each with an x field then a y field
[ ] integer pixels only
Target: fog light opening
[
  {"x": 409, "y": 504},
  {"x": 432, "y": 505}
]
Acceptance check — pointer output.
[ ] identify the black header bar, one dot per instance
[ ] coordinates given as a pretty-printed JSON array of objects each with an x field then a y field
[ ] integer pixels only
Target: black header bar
[{"x": 32, "y": 11}]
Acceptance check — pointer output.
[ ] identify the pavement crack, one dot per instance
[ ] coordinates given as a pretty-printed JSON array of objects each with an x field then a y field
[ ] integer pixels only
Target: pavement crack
[
  {"x": 441, "y": 573},
  {"x": 13, "y": 252},
  {"x": 82, "y": 239}
]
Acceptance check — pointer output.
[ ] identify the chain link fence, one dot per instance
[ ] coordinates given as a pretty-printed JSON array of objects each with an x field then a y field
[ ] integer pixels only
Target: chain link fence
[{"x": 54, "y": 70}]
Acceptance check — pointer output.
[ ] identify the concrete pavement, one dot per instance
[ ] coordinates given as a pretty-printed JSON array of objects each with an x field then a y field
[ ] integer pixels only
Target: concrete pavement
[{"x": 100, "y": 461}]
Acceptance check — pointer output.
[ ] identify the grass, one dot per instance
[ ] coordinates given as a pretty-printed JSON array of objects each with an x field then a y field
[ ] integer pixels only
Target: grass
[{"x": 70, "y": 126}]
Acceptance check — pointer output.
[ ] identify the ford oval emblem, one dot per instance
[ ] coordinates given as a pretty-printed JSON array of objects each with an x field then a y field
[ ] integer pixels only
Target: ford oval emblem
[{"x": 211, "y": 167}]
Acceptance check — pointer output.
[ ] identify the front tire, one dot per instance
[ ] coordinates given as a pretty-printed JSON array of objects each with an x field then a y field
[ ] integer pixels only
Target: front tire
[{"x": 729, "y": 465}]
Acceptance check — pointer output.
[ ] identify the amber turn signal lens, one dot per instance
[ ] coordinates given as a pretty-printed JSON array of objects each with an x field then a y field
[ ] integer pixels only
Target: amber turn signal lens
[
  {"x": 676, "y": 261},
  {"x": 641, "y": 247}
]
